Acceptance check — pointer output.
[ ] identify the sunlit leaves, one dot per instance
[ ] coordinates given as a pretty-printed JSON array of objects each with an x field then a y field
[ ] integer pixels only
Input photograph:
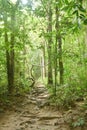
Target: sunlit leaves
[{"x": 40, "y": 12}]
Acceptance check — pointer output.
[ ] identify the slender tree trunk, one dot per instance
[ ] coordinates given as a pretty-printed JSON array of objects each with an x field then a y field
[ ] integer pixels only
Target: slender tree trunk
[
  {"x": 61, "y": 69},
  {"x": 59, "y": 41},
  {"x": 50, "y": 77},
  {"x": 42, "y": 67},
  {"x": 43, "y": 63},
  {"x": 7, "y": 49},
  {"x": 11, "y": 70},
  {"x": 10, "y": 52},
  {"x": 8, "y": 60},
  {"x": 24, "y": 52},
  {"x": 56, "y": 48},
  {"x": 44, "y": 51}
]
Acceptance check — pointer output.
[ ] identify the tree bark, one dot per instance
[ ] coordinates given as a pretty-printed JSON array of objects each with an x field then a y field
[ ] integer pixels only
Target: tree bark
[
  {"x": 44, "y": 56},
  {"x": 61, "y": 69},
  {"x": 56, "y": 47},
  {"x": 9, "y": 52},
  {"x": 11, "y": 73},
  {"x": 7, "y": 49},
  {"x": 59, "y": 43},
  {"x": 50, "y": 77}
]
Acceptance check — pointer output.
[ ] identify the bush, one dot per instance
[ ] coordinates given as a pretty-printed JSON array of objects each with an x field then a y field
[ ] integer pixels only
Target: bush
[{"x": 68, "y": 94}]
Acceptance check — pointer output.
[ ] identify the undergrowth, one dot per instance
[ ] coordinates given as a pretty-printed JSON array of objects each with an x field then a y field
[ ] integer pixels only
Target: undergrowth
[{"x": 68, "y": 94}]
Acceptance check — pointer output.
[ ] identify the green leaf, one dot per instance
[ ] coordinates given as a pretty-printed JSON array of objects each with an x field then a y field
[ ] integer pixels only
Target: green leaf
[
  {"x": 75, "y": 12},
  {"x": 66, "y": 1},
  {"x": 82, "y": 16},
  {"x": 65, "y": 8},
  {"x": 81, "y": 8},
  {"x": 85, "y": 21}
]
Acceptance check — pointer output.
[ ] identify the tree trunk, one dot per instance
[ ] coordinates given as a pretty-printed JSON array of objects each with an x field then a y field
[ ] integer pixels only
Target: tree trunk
[
  {"x": 7, "y": 50},
  {"x": 10, "y": 52},
  {"x": 44, "y": 56},
  {"x": 61, "y": 70},
  {"x": 56, "y": 47},
  {"x": 50, "y": 77},
  {"x": 11, "y": 73},
  {"x": 59, "y": 41},
  {"x": 42, "y": 67}
]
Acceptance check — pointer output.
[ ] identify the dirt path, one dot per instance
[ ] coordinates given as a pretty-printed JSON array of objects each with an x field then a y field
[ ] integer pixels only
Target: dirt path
[{"x": 34, "y": 113}]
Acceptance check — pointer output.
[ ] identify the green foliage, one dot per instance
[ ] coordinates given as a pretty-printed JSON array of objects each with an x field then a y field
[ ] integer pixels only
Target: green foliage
[
  {"x": 68, "y": 94},
  {"x": 23, "y": 85},
  {"x": 79, "y": 122},
  {"x": 85, "y": 21},
  {"x": 63, "y": 97}
]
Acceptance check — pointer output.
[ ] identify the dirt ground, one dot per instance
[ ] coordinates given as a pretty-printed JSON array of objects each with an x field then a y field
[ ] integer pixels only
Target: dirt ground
[{"x": 32, "y": 112}]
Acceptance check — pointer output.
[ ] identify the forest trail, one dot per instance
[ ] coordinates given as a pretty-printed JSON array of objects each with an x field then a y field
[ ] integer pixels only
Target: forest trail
[{"x": 34, "y": 113}]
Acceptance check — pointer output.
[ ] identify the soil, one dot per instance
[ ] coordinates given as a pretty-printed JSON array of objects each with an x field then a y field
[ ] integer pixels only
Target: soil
[{"x": 33, "y": 112}]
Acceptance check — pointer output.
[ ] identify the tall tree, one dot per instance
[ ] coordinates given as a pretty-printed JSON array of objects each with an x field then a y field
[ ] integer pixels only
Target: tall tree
[
  {"x": 59, "y": 43},
  {"x": 49, "y": 29},
  {"x": 11, "y": 53},
  {"x": 9, "y": 43},
  {"x": 7, "y": 47}
]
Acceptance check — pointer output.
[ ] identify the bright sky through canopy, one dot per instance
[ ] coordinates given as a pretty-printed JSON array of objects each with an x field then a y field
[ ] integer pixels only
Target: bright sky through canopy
[
  {"x": 24, "y": 1},
  {"x": 35, "y": 3}
]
